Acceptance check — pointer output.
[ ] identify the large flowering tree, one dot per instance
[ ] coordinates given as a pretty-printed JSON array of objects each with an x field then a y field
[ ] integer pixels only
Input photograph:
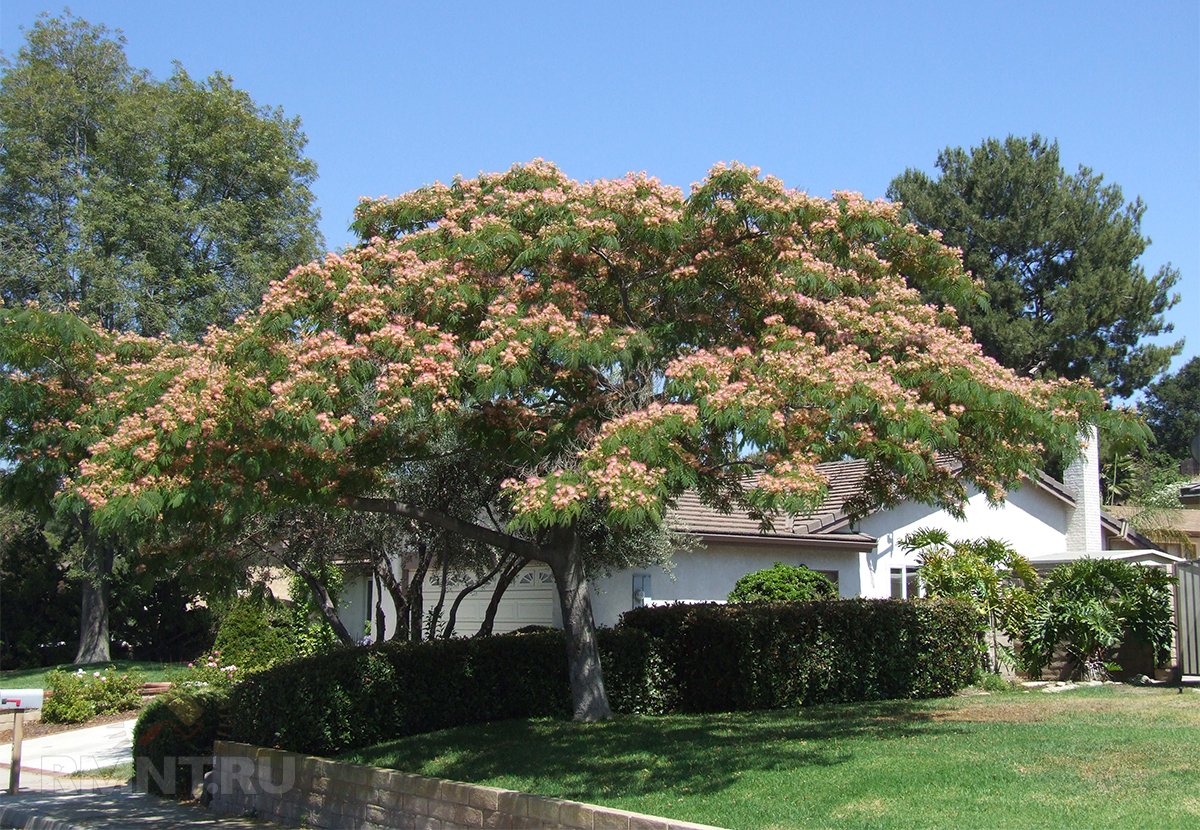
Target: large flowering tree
[{"x": 593, "y": 349}]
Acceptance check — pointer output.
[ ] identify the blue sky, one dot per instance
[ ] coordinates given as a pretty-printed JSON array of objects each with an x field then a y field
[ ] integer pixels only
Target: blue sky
[{"x": 840, "y": 95}]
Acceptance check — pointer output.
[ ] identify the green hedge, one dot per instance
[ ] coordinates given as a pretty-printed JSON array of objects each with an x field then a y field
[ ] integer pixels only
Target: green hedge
[
  {"x": 359, "y": 696},
  {"x": 766, "y": 656},
  {"x": 172, "y": 730},
  {"x": 693, "y": 658}
]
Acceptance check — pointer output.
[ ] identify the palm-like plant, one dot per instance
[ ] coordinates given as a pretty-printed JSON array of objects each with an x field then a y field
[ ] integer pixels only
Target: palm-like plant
[{"x": 986, "y": 572}]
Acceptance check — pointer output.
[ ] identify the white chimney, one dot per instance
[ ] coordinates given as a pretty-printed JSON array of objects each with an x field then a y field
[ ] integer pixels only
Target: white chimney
[{"x": 1082, "y": 480}]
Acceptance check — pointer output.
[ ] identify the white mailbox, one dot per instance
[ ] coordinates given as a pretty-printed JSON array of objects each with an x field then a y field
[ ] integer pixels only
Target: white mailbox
[{"x": 21, "y": 698}]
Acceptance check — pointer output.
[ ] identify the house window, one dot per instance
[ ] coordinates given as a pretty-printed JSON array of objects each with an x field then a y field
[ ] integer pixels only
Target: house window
[
  {"x": 905, "y": 584},
  {"x": 641, "y": 590}
]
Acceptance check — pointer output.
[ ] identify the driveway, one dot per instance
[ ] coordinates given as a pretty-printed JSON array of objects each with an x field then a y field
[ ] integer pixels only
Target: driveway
[{"x": 78, "y": 750}]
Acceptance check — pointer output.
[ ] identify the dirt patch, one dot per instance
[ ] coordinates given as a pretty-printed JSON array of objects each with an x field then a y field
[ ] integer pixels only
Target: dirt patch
[
  {"x": 1023, "y": 712},
  {"x": 1037, "y": 706},
  {"x": 37, "y": 729}
]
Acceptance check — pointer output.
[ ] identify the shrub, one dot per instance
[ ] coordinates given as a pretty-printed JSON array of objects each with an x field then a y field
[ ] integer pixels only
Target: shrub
[
  {"x": 783, "y": 583},
  {"x": 1090, "y": 606},
  {"x": 254, "y": 635},
  {"x": 65, "y": 700},
  {"x": 689, "y": 658},
  {"x": 207, "y": 670},
  {"x": 763, "y": 656},
  {"x": 359, "y": 696},
  {"x": 173, "y": 729},
  {"x": 75, "y": 697}
]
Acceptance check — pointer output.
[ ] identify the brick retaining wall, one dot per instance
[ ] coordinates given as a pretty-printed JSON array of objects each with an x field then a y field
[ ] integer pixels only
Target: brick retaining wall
[{"x": 296, "y": 789}]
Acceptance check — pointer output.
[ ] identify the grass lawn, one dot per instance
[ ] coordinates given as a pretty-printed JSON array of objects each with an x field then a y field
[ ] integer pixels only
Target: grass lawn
[
  {"x": 36, "y": 678},
  {"x": 1115, "y": 756}
]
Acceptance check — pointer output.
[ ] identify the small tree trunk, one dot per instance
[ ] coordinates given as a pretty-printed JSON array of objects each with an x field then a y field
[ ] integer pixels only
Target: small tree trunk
[
  {"x": 589, "y": 700},
  {"x": 380, "y": 617},
  {"x": 416, "y": 593},
  {"x": 383, "y": 572},
  {"x": 328, "y": 608},
  {"x": 436, "y": 613},
  {"x": 506, "y": 578},
  {"x": 93, "y": 613},
  {"x": 452, "y": 617}
]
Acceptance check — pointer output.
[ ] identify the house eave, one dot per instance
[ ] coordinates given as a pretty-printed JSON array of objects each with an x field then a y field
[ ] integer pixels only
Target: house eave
[{"x": 855, "y": 542}]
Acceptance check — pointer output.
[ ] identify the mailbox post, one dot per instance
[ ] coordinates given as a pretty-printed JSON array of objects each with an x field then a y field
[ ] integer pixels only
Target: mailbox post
[{"x": 18, "y": 701}]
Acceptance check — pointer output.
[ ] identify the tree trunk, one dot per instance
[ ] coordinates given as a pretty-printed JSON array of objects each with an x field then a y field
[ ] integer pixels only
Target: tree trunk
[
  {"x": 452, "y": 617},
  {"x": 380, "y": 617},
  {"x": 383, "y": 572},
  {"x": 436, "y": 613},
  {"x": 589, "y": 701},
  {"x": 327, "y": 607},
  {"x": 416, "y": 593},
  {"x": 93, "y": 612},
  {"x": 506, "y": 578}
]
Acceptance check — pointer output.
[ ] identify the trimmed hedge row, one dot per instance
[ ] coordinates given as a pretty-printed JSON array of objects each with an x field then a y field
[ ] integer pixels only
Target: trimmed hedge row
[
  {"x": 355, "y": 697},
  {"x": 720, "y": 658},
  {"x": 685, "y": 658}
]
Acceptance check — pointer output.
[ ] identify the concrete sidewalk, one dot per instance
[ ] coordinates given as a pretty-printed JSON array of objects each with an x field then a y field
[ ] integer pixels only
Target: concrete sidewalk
[
  {"x": 76, "y": 750},
  {"x": 51, "y": 799},
  {"x": 109, "y": 808}
]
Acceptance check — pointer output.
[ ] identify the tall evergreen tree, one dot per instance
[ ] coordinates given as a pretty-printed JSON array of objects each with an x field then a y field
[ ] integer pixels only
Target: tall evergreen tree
[
  {"x": 157, "y": 207},
  {"x": 152, "y": 207},
  {"x": 1173, "y": 410},
  {"x": 1058, "y": 256}
]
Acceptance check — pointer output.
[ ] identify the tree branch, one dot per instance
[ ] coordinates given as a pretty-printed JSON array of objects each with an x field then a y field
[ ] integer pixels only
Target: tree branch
[{"x": 436, "y": 518}]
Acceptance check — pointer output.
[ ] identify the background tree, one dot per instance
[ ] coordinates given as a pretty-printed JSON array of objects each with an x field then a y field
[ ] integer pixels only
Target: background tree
[
  {"x": 150, "y": 207},
  {"x": 1172, "y": 409},
  {"x": 597, "y": 348},
  {"x": 157, "y": 207},
  {"x": 1058, "y": 257}
]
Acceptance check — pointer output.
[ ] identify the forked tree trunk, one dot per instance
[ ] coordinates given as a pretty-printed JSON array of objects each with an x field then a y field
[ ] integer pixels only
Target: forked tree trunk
[
  {"x": 506, "y": 578},
  {"x": 93, "y": 611},
  {"x": 589, "y": 701},
  {"x": 416, "y": 594},
  {"x": 452, "y": 617}
]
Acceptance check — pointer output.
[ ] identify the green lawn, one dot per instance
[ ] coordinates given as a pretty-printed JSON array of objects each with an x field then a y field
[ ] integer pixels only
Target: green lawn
[
  {"x": 1116, "y": 757},
  {"x": 36, "y": 678}
]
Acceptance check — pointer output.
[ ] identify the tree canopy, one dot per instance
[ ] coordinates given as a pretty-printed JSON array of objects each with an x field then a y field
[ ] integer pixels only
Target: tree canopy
[
  {"x": 1172, "y": 409},
  {"x": 593, "y": 349},
  {"x": 152, "y": 207},
  {"x": 155, "y": 206},
  {"x": 1057, "y": 255}
]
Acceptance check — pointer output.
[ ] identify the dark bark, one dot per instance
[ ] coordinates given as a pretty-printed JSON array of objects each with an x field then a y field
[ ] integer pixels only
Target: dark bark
[
  {"x": 452, "y": 617},
  {"x": 589, "y": 700},
  {"x": 380, "y": 617},
  {"x": 506, "y": 578},
  {"x": 383, "y": 572},
  {"x": 416, "y": 593},
  {"x": 94, "y": 643},
  {"x": 436, "y": 613}
]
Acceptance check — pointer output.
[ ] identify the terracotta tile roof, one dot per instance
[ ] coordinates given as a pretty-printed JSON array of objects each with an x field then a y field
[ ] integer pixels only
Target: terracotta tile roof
[
  {"x": 845, "y": 478},
  {"x": 830, "y": 520}
]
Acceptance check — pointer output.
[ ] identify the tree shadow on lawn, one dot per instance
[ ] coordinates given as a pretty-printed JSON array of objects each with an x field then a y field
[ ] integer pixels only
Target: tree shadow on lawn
[{"x": 635, "y": 755}]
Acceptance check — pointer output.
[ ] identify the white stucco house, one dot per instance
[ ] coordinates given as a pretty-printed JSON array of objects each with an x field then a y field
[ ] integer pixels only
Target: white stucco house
[{"x": 1046, "y": 520}]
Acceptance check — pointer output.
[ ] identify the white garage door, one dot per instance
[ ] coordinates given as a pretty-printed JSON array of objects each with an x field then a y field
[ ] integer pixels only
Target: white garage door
[{"x": 529, "y": 600}]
